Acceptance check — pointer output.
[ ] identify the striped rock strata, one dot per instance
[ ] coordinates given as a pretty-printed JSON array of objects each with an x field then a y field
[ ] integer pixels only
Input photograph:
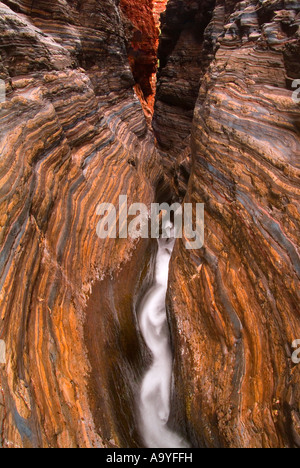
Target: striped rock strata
[
  {"x": 234, "y": 304},
  {"x": 72, "y": 134}
]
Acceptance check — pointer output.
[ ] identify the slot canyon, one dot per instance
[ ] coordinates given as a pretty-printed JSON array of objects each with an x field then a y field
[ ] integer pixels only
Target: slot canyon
[{"x": 164, "y": 101}]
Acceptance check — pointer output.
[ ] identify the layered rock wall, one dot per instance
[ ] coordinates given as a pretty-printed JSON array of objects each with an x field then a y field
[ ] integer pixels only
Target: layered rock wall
[
  {"x": 234, "y": 304},
  {"x": 72, "y": 135}
]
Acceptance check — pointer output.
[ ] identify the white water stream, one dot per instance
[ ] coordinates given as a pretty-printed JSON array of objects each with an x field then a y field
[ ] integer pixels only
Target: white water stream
[{"x": 156, "y": 385}]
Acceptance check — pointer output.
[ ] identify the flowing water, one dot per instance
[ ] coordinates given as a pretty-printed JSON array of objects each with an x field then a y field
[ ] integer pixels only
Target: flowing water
[{"x": 156, "y": 385}]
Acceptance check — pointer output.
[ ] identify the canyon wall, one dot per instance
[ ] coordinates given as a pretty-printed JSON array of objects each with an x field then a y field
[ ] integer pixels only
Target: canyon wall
[
  {"x": 159, "y": 7},
  {"x": 183, "y": 60},
  {"x": 142, "y": 26},
  {"x": 234, "y": 304},
  {"x": 142, "y": 43},
  {"x": 72, "y": 135},
  {"x": 185, "y": 51}
]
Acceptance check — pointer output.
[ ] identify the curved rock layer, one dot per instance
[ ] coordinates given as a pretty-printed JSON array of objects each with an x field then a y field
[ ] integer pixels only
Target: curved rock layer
[
  {"x": 72, "y": 135},
  {"x": 234, "y": 304}
]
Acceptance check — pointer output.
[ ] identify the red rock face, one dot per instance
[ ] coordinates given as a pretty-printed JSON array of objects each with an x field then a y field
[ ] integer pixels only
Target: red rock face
[
  {"x": 142, "y": 43},
  {"x": 142, "y": 26},
  {"x": 159, "y": 7}
]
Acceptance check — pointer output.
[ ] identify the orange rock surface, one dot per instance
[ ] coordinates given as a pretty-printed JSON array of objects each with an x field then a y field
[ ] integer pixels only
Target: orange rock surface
[
  {"x": 159, "y": 7},
  {"x": 234, "y": 304},
  {"x": 73, "y": 134},
  {"x": 142, "y": 43}
]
